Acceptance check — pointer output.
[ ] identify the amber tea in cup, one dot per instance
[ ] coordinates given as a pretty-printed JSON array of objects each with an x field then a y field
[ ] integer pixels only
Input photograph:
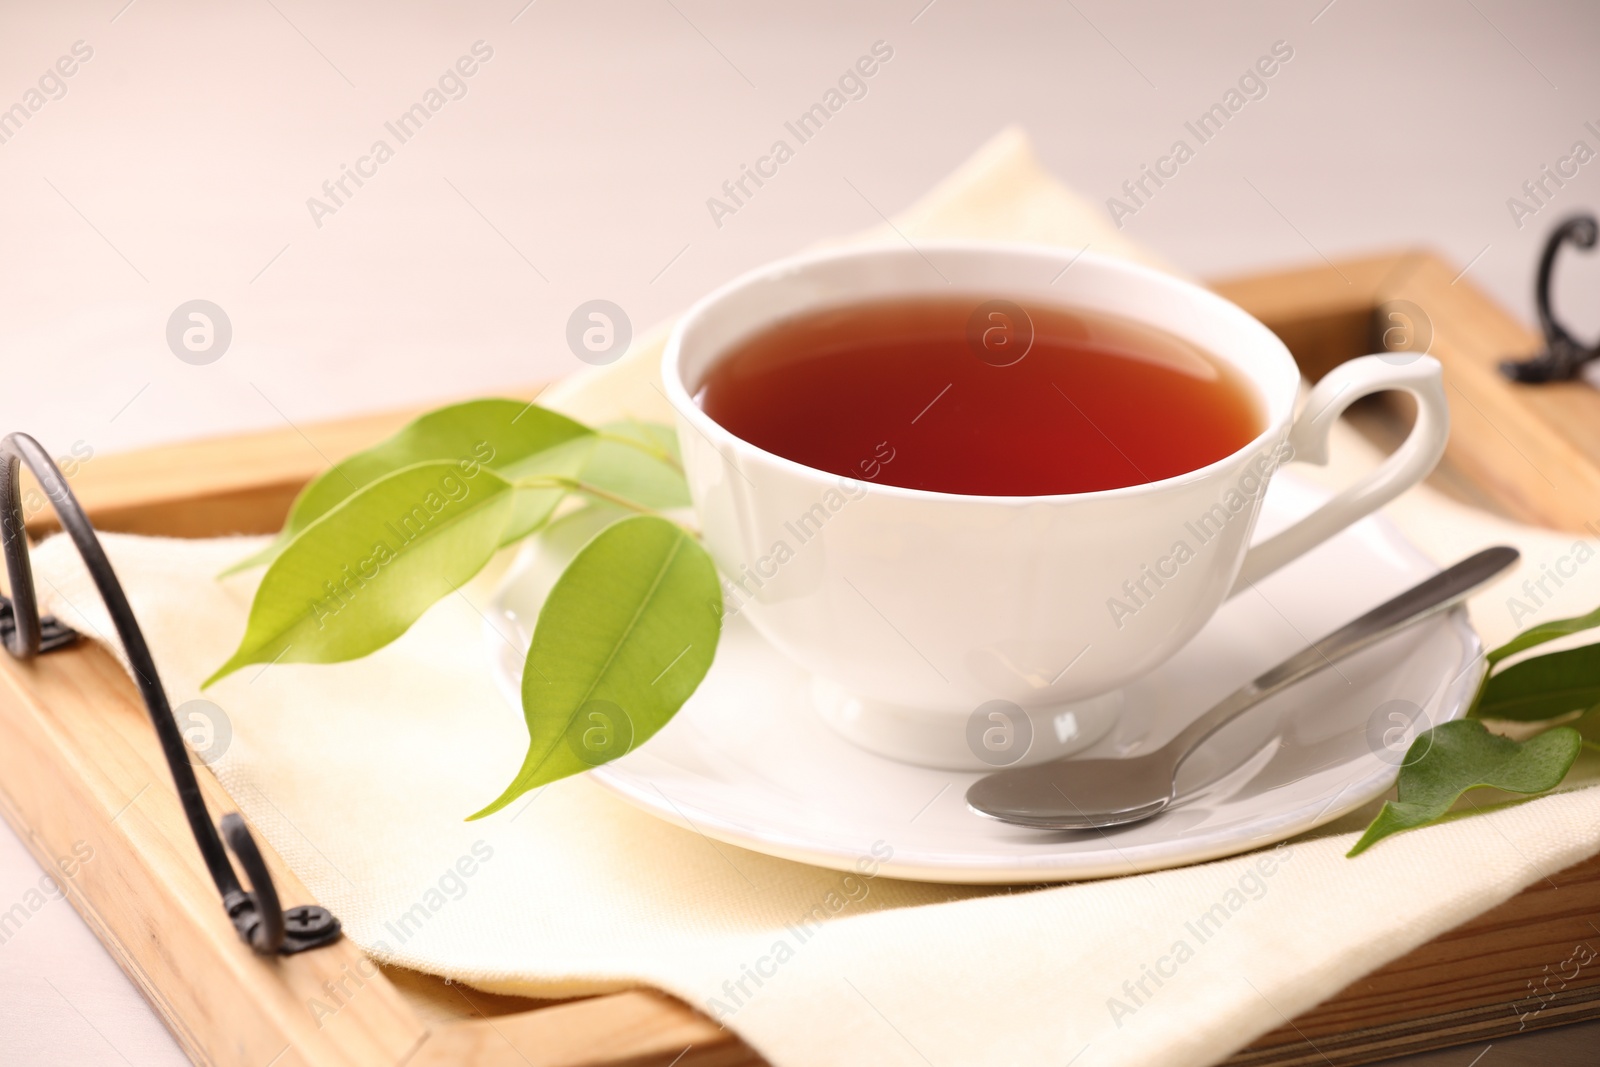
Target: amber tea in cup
[{"x": 963, "y": 395}]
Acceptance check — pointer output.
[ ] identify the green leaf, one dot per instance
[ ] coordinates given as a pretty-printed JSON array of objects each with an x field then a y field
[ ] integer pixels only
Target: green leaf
[
  {"x": 360, "y": 575},
  {"x": 1545, "y": 631},
  {"x": 623, "y": 639},
  {"x": 1543, "y": 687},
  {"x": 502, "y": 435},
  {"x": 1453, "y": 757}
]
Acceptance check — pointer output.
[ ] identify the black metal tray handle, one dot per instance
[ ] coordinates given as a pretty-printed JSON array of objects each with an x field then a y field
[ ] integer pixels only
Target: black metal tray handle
[
  {"x": 256, "y": 914},
  {"x": 1564, "y": 355}
]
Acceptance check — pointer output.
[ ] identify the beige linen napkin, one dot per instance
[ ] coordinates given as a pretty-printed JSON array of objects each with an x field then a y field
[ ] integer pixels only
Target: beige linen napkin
[{"x": 573, "y": 891}]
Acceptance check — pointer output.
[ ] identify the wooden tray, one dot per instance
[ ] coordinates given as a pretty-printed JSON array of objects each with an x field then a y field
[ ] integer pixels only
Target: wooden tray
[{"x": 79, "y": 761}]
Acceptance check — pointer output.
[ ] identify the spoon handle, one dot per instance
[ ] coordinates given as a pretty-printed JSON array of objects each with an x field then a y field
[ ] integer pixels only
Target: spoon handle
[{"x": 1422, "y": 600}]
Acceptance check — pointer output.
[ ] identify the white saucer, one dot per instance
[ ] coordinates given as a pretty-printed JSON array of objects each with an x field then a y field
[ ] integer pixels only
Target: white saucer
[{"x": 749, "y": 761}]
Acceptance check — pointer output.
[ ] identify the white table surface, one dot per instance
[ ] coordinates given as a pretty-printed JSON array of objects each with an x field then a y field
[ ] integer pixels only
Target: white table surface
[{"x": 179, "y": 160}]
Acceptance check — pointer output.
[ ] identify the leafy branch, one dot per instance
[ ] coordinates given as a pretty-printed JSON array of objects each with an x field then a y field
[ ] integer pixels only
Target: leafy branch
[
  {"x": 626, "y": 634},
  {"x": 1450, "y": 759}
]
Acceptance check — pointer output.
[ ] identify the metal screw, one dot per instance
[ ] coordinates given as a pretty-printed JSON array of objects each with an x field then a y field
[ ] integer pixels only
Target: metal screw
[{"x": 308, "y": 920}]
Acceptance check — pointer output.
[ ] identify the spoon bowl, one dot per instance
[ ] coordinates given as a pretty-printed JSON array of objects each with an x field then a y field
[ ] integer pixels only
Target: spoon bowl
[{"x": 1089, "y": 793}]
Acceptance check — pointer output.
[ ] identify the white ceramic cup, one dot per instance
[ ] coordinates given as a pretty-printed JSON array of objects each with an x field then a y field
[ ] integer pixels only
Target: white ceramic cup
[{"x": 978, "y": 631}]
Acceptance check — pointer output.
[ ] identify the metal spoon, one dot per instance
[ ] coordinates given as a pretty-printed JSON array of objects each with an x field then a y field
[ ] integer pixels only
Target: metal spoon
[{"x": 1078, "y": 794}]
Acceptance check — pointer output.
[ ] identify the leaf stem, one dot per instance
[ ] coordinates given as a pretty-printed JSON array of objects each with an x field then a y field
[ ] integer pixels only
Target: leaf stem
[
  {"x": 573, "y": 484},
  {"x": 611, "y": 498},
  {"x": 659, "y": 454}
]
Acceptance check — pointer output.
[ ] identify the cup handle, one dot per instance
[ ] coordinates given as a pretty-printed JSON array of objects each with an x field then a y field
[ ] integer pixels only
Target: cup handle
[{"x": 1308, "y": 441}]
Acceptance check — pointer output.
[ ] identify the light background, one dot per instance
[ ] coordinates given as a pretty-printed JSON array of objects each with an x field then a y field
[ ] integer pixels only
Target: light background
[{"x": 577, "y": 166}]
